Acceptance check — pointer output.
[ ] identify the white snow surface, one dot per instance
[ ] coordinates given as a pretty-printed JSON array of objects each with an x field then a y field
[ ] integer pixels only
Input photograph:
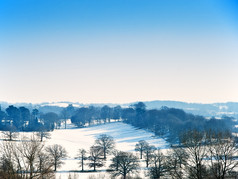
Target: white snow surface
[
  {"x": 73, "y": 139},
  {"x": 125, "y": 136}
]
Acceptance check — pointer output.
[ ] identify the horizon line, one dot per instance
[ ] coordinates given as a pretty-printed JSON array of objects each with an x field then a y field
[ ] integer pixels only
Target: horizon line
[{"x": 120, "y": 103}]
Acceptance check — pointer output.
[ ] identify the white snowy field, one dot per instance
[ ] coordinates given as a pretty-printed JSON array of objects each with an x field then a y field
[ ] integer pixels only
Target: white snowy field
[
  {"x": 125, "y": 136},
  {"x": 73, "y": 139}
]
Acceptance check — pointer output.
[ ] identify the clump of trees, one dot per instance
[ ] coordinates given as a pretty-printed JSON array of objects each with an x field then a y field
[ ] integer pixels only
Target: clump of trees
[
  {"x": 122, "y": 163},
  {"x": 202, "y": 154},
  {"x": 25, "y": 159},
  {"x": 169, "y": 121},
  {"x": 29, "y": 158},
  {"x": 159, "y": 165},
  {"x": 173, "y": 122},
  {"x": 103, "y": 145},
  {"x": 15, "y": 119}
]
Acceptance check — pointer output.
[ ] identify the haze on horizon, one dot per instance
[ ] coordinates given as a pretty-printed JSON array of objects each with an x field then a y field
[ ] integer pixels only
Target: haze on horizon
[{"x": 118, "y": 51}]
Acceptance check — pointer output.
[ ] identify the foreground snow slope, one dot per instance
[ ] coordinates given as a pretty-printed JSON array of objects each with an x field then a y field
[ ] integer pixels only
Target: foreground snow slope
[
  {"x": 73, "y": 139},
  {"x": 126, "y": 136}
]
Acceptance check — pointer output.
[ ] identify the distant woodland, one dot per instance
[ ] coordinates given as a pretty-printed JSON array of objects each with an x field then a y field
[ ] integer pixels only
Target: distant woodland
[{"x": 167, "y": 122}]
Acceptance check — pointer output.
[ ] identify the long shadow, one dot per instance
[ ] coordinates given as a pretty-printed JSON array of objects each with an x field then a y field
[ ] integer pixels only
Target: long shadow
[
  {"x": 124, "y": 133},
  {"x": 80, "y": 171}
]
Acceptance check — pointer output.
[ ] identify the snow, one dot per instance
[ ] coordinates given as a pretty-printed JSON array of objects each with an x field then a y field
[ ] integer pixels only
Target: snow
[
  {"x": 73, "y": 139},
  {"x": 125, "y": 136},
  {"x": 60, "y": 104}
]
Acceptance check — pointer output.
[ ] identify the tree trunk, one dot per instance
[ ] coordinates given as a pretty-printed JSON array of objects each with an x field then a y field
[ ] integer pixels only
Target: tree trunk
[
  {"x": 147, "y": 159},
  {"x": 117, "y": 165},
  {"x": 31, "y": 171},
  {"x": 10, "y": 136},
  {"x": 104, "y": 151}
]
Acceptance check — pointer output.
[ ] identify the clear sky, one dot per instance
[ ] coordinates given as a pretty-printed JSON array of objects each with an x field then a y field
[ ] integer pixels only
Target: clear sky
[{"x": 118, "y": 50}]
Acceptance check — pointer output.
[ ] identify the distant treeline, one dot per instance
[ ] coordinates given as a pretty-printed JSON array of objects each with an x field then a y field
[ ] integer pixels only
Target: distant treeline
[
  {"x": 173, "y": 122},
  {"x": 22, "y": 119},
  {"x": 165, "y": 121}
]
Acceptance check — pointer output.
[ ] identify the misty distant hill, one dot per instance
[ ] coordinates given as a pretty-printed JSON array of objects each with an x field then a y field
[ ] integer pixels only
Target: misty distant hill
[
  {"x": 208, "y": 110},
  {"x": 213, "y": 109}
]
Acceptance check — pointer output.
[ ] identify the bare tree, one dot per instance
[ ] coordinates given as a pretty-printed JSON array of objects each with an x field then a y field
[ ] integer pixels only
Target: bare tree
[
  {"x": 56, "y": 153},
  {"x": 116, "y": 158},
  {"x": 222, "y": 152},
  {"x": 140, "y": 147},
  {"x": 7, "y": 164},
  {"x": 10, "y": 133},
  {"x": 95, "y": 153},
  {"x": 30, "y": 151},
  {"x": 42, "y": 133},
  {"x": 177, "y": 161},
  {"x": 148, "y": 153},
  {"x": 44, "y": 165},
  {"x": 159, "y": 166},
  {"x": 21, "y": 160},
  {"x": 123, "y": 164},
  {"x": 194, "y": 146},
  {"x": 82, "y": 157},
  {"x": 106, "y": 142}
]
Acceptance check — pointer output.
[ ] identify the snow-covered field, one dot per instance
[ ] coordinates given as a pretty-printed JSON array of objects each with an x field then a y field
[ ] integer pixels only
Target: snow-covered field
[
  {"x": 125, "y": 136},
  {"x": 73, "y": 139}
]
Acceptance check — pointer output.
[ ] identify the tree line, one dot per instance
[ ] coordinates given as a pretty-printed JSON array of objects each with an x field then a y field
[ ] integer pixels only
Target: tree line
[
  {"x": 164, "y": 121},
  {"x": 21, "y": 119},
  {"x": 201, "y": 155},
  {"x": 29, "y": 158}
]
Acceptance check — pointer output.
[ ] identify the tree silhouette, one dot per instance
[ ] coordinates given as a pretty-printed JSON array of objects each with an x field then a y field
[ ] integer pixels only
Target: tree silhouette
[
  {"x": 123, "y": 164},
  {"x": 106, "y": 142}
]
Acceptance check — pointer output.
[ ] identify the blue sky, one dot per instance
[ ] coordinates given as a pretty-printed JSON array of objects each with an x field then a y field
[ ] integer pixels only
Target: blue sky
[{"x": 118, "y": 51}]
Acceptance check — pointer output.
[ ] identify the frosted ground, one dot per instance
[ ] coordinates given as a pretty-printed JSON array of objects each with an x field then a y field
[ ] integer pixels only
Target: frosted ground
[
  {"x": 73, "y": 139},
  {"x": 125, "y": 136}
]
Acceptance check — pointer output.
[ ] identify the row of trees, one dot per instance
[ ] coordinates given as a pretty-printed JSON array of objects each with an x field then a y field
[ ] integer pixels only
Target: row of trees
[
  {"x": 168, "y": 121},
  {"x": 173, "y": 122},
  {"x": 13, "y": 135},
  {"x": 122, "y": 163},
  {"x": 21, "y": 119},
  {"x": 88, "y": 115},
  {"x": 210, "y": 155},
  {"x": 202, "y": 155},
  {"x": 29, "y": 158}
]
